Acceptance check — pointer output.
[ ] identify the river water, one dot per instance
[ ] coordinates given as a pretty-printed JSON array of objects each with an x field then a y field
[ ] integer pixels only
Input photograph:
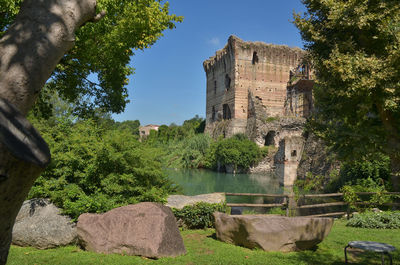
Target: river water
[{"x": 200, "y": 181}]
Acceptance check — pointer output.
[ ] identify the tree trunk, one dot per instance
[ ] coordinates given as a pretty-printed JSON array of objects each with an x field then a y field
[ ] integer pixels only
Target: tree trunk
[
  {"x": 29, "y": 51},
  {"x": 33, "y": 45},
  {"x": 23, "y": 155}
]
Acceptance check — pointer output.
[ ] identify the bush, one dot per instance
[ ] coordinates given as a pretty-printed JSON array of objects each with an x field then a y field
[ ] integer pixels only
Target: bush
[
  {"x": 382, "y": 220},
  {"x": 376, "y": 168},
  {"x": 95, "y": 169},
  {"x": 237, "y": 151},
  {"x": 365, "y": 185},
  {"x": 199, "y": 215}
]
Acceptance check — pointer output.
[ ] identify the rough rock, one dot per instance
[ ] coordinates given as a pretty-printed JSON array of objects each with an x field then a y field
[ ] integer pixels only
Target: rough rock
[
  {"x": 144, "y": 229},
  {"x": 272, "y": 233},
  {"x": 316, "y": 159},
  {"x": 266, "y": 165},
  {"x": 39, "y": 224},
  {"x": 180, "y": 201}
]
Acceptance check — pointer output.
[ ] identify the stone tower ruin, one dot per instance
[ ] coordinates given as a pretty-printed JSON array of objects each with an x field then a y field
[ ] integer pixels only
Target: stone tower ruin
[
  {"x": 262, "y": 90},
  {"x": 244, "y": 72}
]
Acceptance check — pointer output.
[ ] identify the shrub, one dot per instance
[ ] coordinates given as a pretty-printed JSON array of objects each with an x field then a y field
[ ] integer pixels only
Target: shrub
[
  {"x": 377, "y": 168},
  {"x": 382, "y": 220},
  {"x": 194, "y": 150},
  {"x": 95, "y": 169},
  {"x": 365, "y": 185},
  {"x": 237, "y": 151},
  {"x": 199, "y": 215}
]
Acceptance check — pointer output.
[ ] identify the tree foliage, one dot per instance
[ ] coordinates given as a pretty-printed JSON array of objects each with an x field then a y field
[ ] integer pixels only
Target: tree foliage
[
  {"x": 95, "y": 169},
  {"x": 173, "y": 133},
  {"x": 355, "y": 51},
  {"x": 237, "y": 151},
  {"x": 188, "y": 153},
  {"x": 94, "y": 73}
]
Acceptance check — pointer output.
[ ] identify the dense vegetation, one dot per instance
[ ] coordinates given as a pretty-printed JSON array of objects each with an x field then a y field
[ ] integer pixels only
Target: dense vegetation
[
  {"x": 187, "y": 146},
  {"x": 354, "y": 49},
  {"x": 381, "y": 220},
  {"x": 96, "y": 168},
  {"x": 363, "y": 174},
  {"x": 99, "y": 164}
]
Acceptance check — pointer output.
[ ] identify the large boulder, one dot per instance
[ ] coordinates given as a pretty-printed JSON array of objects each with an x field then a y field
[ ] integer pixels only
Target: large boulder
[
  {"x": 272, "y": 233},
  {"x": 144, "y": 229},
  {"x": 39, "y": 224},
  {"x": 180, "y": 201}
]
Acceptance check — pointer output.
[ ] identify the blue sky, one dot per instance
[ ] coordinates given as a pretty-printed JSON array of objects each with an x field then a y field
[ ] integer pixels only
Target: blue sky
[{"x": 169, "y": 83}]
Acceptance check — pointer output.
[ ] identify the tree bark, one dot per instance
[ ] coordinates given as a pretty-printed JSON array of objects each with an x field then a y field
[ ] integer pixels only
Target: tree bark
[
  {"x": 33, "y": 45},
  {"x": 23, "y": 155},
  {"x": 42, "y": 33}
]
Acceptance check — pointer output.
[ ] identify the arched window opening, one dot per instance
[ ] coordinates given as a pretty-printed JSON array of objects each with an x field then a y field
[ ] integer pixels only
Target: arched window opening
[
  {"x": 255, "y": 58},
  {"x": 227, "y": 82},
  {"x": 226, "y": 112},
  {"x": 294, "y": 153},
  {"x": 215, "y": 87},
  {"x": 270, "y": 138}
]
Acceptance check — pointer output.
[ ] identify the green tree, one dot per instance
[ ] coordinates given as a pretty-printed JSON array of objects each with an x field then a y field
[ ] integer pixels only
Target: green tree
[
  {"x": 94, "y": 72},
  {"x": 237, "y": 151},
  {"x": 354, "y": 47},
  {"x": 131, "y": 126},
  {"x": 95, "y": 168},
  {"x": 87, "y": 63}
]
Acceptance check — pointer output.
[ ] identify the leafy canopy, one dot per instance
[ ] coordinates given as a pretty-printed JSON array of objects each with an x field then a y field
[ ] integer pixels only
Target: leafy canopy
[
  {"x": 237, "y": 151},
  {"x": 94, "y": 72},
  {"x": 96, "y": 168},
  {"x": 355, "y": 50}
]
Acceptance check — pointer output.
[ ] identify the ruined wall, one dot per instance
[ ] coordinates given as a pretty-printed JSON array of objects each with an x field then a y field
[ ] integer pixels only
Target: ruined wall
[
  {"x": 288, "y": 158},
  {"x": 265, "y": 91},
  {"x": 299, "y": 99},
  {"x": 240, "y": 68},
  {"x": 220, "y": 86},
  {"x": 316, "y": 159},
  {"x": 263, "y": 69}
]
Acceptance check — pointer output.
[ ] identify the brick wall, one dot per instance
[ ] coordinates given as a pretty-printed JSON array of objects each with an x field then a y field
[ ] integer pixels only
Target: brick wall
[{"x": 256, "y": 67}]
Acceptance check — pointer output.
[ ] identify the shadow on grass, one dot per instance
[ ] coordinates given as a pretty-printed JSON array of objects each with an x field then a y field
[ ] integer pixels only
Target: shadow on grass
[
  {"x": 310, "y": 257},
  {"x": 213, "y": 236}
]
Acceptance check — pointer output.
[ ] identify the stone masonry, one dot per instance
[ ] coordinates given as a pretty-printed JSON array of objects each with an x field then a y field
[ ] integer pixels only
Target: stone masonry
[
  {"x": 241, "y": 68},
  {"x": 262, "y": 90}
]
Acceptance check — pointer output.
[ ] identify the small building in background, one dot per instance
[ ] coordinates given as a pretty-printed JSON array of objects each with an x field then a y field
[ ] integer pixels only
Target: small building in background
[{"x": 144, "y": 131}]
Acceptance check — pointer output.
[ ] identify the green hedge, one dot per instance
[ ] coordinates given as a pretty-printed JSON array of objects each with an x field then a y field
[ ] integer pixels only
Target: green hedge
[{"x": 199, "y": 215}]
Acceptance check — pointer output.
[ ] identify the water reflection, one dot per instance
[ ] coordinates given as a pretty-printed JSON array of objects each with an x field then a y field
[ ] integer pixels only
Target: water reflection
[{"x": 200, "y": 181}]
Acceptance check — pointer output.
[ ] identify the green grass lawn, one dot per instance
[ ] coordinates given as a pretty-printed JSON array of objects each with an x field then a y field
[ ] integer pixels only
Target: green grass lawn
[{"x": 203, "y": 248}]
